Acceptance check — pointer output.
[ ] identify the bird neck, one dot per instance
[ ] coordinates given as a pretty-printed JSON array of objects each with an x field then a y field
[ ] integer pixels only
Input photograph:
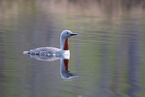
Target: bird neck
[{"x": 64, "y": 44}]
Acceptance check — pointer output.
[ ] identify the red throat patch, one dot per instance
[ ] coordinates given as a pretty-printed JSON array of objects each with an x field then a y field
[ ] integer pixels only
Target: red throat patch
[{"x": 66, "y": 46}]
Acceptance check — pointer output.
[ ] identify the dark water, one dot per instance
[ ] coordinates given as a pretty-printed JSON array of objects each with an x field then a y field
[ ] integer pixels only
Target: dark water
[{"x": 108, "y": 55}]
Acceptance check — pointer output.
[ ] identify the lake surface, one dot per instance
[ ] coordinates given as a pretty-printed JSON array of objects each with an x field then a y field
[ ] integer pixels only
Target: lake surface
[{"x": 108, "y": 55}]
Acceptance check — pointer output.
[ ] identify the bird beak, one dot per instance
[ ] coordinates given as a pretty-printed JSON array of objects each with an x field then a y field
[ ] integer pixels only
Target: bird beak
[{"x": 74, "y": 34}]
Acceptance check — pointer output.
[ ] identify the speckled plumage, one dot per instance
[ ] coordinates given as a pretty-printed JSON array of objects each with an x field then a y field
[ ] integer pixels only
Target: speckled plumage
[{"x": 52, "y": 51}]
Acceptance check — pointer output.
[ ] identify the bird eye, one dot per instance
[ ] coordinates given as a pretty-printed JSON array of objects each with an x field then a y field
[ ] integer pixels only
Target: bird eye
[{"x": 67, "y": 33}]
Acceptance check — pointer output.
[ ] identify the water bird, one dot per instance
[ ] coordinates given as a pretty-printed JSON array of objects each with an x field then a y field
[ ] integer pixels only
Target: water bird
[{"x": 53, "y": 51}]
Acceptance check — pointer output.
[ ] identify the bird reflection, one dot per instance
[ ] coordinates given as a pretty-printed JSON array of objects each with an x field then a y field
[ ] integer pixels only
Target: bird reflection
[
  {"x": 64, "y": 64},
  {"x": 64, "y": 69}
]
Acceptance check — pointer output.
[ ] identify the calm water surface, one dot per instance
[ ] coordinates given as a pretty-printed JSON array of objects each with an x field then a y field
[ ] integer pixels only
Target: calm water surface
[{"x": 108, "y": 55}]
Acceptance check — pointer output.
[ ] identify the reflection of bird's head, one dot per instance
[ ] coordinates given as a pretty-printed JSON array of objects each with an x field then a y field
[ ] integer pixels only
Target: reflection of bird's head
[
  {"x": 64, "y": 70},
  {"x": 68, "y": 75}
]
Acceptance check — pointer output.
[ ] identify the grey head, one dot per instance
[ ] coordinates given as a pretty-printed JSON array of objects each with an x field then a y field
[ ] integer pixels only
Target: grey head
[
  {"x": 67, "y": 33},
  {"x": 64, "y": 38}
]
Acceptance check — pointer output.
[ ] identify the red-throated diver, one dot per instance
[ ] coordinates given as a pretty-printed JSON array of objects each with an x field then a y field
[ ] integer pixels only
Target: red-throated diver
[{"x": 52, "y": 51}]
